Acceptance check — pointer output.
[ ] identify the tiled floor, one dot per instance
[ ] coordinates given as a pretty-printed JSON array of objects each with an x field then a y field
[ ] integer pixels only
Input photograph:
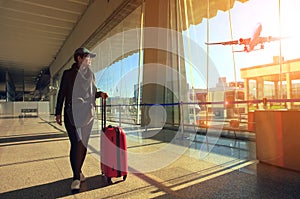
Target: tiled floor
[{"x": 34, "y": 163}]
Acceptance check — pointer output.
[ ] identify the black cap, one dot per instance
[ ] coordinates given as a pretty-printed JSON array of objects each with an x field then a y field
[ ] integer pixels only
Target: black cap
[{"x": 83, "y": 51}]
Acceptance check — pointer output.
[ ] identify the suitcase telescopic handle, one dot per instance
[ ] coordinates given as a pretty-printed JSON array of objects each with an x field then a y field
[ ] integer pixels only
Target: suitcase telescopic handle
[{"x": 103, "y": 113}]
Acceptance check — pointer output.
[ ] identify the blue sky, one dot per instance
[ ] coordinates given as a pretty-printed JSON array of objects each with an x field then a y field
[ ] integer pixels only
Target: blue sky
[{"x": 109, "y": 78}]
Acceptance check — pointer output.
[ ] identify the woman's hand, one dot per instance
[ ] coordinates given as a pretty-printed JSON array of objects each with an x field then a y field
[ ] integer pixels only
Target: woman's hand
[
  {"x": 58, "y": 119},
  {"x": 104, "y": 95}
]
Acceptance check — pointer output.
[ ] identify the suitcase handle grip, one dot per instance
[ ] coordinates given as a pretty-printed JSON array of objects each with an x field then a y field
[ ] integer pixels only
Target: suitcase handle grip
[{"x": 103, "y": 113}]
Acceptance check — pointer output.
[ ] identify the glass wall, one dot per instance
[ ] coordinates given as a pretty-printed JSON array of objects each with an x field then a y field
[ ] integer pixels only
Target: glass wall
[
  {"x": 117, "y": 69},
  {"x": 252, "y": 47}
]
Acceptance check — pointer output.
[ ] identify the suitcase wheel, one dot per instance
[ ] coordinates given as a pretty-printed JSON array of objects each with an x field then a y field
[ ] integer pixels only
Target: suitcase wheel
[
  {"x": 124, "y": 177},
  {"x": 109, "y": 180}
]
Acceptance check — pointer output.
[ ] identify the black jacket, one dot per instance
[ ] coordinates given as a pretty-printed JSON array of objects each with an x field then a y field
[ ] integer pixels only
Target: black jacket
[{"x": 66, "y": 89}]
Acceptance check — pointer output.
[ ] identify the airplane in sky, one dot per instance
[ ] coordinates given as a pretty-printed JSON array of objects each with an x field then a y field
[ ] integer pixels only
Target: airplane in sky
[{"x": 249, "y": 43}]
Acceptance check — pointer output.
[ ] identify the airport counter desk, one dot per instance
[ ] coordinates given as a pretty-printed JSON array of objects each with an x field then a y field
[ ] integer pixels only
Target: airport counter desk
[{"x": 278, "y": 137}]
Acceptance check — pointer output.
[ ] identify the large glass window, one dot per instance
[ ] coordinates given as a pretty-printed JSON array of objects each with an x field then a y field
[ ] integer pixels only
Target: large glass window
[
  {"x": 235, "y": 55},
  {"x": 253, "y": 50},
  {"x": 117, "y": 69}
]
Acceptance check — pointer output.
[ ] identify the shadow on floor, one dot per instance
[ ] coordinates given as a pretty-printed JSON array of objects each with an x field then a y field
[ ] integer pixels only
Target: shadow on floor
[
  {"x": 269, "y": 182},
  {"x": 50, "y": 135},
  {"x": 56, "y": 189}
]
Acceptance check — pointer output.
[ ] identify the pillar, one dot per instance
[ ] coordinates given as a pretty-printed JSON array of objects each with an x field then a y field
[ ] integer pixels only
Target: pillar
[
  {"x": 160, "y": 85},
  {"x": 276, "y": 89},
  {"x": 260, "y": 88}
]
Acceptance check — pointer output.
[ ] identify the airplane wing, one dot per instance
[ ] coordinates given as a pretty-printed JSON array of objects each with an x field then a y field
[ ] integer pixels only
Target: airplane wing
[
  {"x": 234, "y": 42},
  {"x": 269, "y": 39},
  {"x": 241, "y": 41}
]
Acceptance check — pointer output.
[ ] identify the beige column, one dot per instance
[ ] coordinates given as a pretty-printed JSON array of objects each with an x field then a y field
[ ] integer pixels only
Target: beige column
[
  {"x": 52, "y": 99},
  {"x": 276, "y": 89},
  {"x": 260, "y": 88}
]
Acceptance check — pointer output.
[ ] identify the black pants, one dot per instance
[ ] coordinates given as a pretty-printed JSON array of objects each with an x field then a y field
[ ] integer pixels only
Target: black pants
[{"x": 78, "y": 145}]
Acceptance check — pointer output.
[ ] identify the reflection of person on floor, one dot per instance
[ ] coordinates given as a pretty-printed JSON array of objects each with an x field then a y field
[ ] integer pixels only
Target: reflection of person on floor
[{"x": 78, "y": 91}]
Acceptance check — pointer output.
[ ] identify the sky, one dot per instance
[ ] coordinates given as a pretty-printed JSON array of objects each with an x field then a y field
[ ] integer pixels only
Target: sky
[
  {"x": 243, "y": 18},
  {"x": 112, "y": 78}
]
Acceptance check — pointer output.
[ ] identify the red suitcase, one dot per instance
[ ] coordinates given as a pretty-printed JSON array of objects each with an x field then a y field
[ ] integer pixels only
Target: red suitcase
[{"x": 113, "y": 150}]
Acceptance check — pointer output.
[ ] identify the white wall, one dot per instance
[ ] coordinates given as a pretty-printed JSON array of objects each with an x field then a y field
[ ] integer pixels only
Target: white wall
[
  {"x": 43, "y": 107},
  {"x": 6, "y": 108},
  {"x": 14, "y": 108}
]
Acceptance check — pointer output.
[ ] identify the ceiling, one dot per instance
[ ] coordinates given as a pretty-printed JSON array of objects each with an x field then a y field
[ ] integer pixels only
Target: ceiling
[{"x": 32, "y": 33}]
